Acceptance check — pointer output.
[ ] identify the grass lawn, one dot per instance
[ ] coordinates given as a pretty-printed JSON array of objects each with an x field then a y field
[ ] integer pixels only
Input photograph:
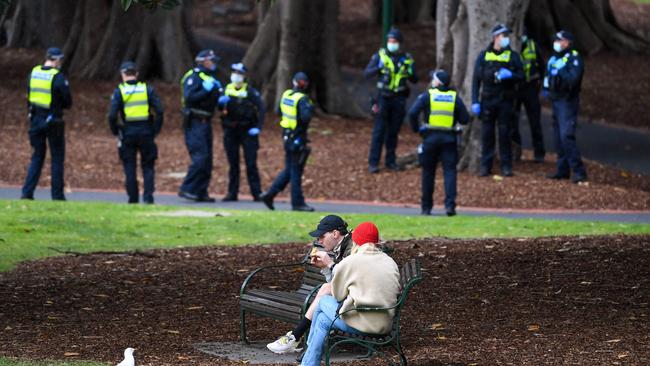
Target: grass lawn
[{"x": 33, "y": 230}]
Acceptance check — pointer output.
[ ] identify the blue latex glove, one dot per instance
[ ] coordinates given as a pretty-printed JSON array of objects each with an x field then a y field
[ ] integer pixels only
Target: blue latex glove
[
  {"x": 49, "y": 119},
  {"x": 297, "y": 141},
  {"x": 208, "y": 85},
  {"x": 223, "y": 100},
  {"x": 254, "y": 131},
  {"x": 560, "y": 63},
  {"x": 504, "y": 73},
  {"x": 554, "y": 72},
  {"x": 380, "y": 64},
  {"x": 476, "y": 108},
  {"x": 422, "y": 128}
]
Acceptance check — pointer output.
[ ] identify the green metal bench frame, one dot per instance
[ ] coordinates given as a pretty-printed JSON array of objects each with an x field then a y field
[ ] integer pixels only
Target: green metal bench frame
[
  {"x": 286, "y": 306},
  {"x": 410, "y": 274}
]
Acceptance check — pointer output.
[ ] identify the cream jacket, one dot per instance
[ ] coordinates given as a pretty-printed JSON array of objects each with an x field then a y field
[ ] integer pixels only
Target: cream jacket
[{"x": 368, "y": 277}]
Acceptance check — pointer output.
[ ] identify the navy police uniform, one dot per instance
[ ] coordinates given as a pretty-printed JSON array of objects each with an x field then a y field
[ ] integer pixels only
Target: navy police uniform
[
  {"x": 394, "y": 69},
  {"x": 443, "y": 110},
  {"x": 136, "y": 117},
  {"x": 48, "y": 95}
]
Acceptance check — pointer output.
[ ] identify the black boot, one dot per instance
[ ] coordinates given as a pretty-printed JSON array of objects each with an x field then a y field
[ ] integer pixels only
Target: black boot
[{"x": 267, "y": 198}]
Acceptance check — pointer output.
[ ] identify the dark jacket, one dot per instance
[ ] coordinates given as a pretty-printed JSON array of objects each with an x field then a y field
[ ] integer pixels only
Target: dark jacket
[
  {"x": 245, "y": 112},
  {"x": 117, "y": 122},
  {"x": 567, "y": 83},
  {"x": 422, "y": 105},
  {"x": 198, "y": 98},
  {"x": 483, "y": 80},
  {"x": 373, "y": 69}
]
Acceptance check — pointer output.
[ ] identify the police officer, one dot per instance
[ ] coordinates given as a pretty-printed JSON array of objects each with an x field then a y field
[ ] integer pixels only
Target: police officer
[
  {"x": 201, "y": 92},
  {"x": 497, "y": 71},
  {"x": 443, "y": 109},
  {"x": 394, "y": 68},
  {"x": 562, "y": 85},
  {"x": 242, "y": 119},
  {"x": 140, "y": 120},
  {"x": 528, "y": 96},
  {"x": 48, "y": 95},
  {"x": 296, "y": 110}
]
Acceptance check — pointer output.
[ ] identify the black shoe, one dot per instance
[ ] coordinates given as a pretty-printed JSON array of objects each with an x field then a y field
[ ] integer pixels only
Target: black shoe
[
  {"x": 267, "y": 198},
  {"x": 31, "y": 198},
  {"x": 394, "y": 167},
  {"x": 484, "y": 172},
  {"x": 451, "y": 212},
  {"x": 188, "y": 196},
  {"x": 426, "y": 212},
  {"x": 59, "y": 199},
  {"x": 507, "y": 172},
  {"x": 148, "y": 202},
  {"x": 578, "y": 179},
  {"x": 257, "y": 198},
  {"x": 373, "y": 169},
  {"x": 206, "y": 199},
  {"x": 303, "y": 208},
  {"x": 229, "y": 198},
  {"x": 538, "y": 159},
  {"x": 556, "y": 176}
]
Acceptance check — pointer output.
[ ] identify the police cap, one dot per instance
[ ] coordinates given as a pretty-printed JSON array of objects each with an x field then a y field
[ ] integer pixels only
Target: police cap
[
  {"x": 395, "y": 34},
  {"x": 128, "y": 66},
  {"x": 54, "y": 53},
  {"x": 205, "y": 55},
  {"x": 239, "y": 68},
  {"x": 500, "y": 28},
  {"x": 441, "y": 75},
  {"x": 563, "y": 35}
]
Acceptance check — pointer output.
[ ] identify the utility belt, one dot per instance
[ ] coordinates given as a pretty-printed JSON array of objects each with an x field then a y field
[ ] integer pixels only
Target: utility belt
[{"x": 191, "y": 115}]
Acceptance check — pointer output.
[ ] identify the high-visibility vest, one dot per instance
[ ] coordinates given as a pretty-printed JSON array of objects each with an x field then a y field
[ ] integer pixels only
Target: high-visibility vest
[
  {"x": 528, "y": 57},
  {"x": 40, "y": 86},
  {"x": 396, "y": 78},
  {"x": 441, "y": 105},
  {"x": 189, "y": 72},
  {"x": 289, "y": 108},
  {"x": 136, "y": 101},
  {"x": 503, "y": 57},
  {"x": 554, "y": 63},
  {"x": 232, "y": 91}
]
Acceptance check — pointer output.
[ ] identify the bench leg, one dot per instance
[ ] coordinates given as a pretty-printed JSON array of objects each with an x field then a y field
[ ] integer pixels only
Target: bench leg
[
  {"x": 242, "y": 326},
  {"x": 398, "y": 348}
]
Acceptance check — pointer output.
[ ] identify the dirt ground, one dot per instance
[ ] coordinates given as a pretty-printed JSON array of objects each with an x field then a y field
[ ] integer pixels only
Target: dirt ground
[{"x": 482, "y": 302}]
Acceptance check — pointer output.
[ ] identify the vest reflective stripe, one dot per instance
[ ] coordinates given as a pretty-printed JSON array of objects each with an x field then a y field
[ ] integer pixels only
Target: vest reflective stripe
[
  {"x": 289, "y": 108},
  {"x": 185, "y": 76},
  {"x": 442, "y": 105},
  {"x": 232, "y": 91},
  {"x": 528, "y": 56},
  {"x": 503, "y": 57},
  {"x": 136, "y": 101},
  {"x": 395, "y": 76},
  {"x": 40, "y": 86},
  {"x": 554, "y": 62}
]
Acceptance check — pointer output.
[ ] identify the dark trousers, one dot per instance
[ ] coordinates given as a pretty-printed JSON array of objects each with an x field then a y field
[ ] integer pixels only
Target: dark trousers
[
  {"x": 496, "y": 116},
  {"x": 439, "y": 146},
  {"x": 233, "y": 138},
  {"x": 128, "y": 152},
  {"x": 388, "y": 122},
  {"x": 565, "y": 120},
  {"x": 529, "y": 98},
  {"x": 199, "y": 140},
  {"x": 54, "y": 135},
  {"x": 292, "y": 173}
]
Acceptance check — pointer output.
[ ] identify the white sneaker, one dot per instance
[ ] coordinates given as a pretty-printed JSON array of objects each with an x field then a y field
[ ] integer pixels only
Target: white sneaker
[{"x": 285, "y": 344}]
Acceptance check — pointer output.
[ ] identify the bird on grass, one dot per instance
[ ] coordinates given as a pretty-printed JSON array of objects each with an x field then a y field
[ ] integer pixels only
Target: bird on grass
[{"x": 128, "y": 358}]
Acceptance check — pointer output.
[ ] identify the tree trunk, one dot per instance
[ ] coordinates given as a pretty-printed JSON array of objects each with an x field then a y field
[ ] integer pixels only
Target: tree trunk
[
  {"x": 98, "y": 35},
  {"x": 296, "y": 36}
]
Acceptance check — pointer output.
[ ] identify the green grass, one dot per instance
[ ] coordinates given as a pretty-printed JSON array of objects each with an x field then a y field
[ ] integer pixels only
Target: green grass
[
  {"x": 30, "y": 230},
  {"x": 13, "y": 362}
]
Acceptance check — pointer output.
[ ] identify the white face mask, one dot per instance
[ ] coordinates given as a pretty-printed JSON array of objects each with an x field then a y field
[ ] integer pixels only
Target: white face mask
[
  {"x": 392, "y": 46},
  {"x": 557, "y": 47},
  {"x": 236, "y": 78}
]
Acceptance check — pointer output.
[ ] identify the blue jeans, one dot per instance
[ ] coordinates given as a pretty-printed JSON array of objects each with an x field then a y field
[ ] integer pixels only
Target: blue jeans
[
  {"x": 39, "y": 138},
  {"x": 320, "y": 327},
  {"x": 198, "y": 139},
  {"x": 565, "y": 120}
]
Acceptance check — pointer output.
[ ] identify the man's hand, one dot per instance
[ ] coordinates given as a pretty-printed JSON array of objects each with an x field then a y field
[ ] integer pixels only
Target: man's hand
[{"x": 321, "y": 259}]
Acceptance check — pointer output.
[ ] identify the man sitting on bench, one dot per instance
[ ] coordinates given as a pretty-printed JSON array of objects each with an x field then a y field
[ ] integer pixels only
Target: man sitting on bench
[
  {"x": 333, "y": 243},
  {"x": 368, "y": 277}
]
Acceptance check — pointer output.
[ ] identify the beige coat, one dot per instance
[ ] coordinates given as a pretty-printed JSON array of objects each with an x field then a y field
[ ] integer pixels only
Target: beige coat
[{"x": 368, "y": 277}]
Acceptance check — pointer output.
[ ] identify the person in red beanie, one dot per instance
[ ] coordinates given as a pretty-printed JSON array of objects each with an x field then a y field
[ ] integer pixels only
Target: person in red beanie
[{"x": 367, "y": 277}]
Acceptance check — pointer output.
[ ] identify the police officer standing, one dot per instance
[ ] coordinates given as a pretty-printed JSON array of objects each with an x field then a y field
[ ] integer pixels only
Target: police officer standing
[
  {"x": 140, "y": 120},
  {"x": 497, "y": 71},
  {"x": 296, "y": 110},
  {"x": 48, "y": 95},
  {"x": 443, "y": 109},
  {"x": 562, "y": 85},
  {"x": 242, "y": 119},
  {"x": 528, "y": 95},
  {"x": 394, "y": 68},
  {"x": 201, "y": 91}
]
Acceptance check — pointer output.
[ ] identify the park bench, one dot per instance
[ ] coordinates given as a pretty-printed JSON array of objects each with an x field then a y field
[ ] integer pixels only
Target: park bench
[
  {"x": 286, "y": 306},
  {"x": 410, "y": 274}
]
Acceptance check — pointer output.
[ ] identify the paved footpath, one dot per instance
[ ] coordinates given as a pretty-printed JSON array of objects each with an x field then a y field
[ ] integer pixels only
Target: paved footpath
[{"x": 343, "y": 207}]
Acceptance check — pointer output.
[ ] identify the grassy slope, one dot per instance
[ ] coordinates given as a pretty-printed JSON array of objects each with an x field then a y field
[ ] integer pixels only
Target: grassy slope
[{"x": 30, "y": 230}]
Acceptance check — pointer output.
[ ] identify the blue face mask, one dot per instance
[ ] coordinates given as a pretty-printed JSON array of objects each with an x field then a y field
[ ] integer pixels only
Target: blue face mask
[
  {"x": 557, "y": 47},
  {"x": 392, "y": 47},
  {"x": 505, "y": 42},
  {"x": 524, "y": 39},
  {"x": 213, "y": 67}
]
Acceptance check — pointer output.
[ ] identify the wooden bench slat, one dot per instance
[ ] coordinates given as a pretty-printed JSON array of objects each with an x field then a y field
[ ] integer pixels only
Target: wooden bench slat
[
  {"x": 259, "y": 309},
  {"x": 291, "y": 298},
  {"x": 271, "y": 303}
]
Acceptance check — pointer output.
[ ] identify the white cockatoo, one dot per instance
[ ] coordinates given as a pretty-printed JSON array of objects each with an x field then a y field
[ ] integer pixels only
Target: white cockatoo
[{"x": 128, "y": 358}]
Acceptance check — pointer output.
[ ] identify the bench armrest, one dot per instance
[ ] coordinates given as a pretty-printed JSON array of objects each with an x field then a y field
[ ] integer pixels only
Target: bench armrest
[{"x": 257, "y": 270}]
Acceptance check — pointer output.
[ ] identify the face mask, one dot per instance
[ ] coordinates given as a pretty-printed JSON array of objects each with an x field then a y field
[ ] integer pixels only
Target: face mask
[
  {"x": 212, "y": 67},
  {"x": 524, "y": 39},
  {"x": 557, "y": 47},
  {"x": 392, "y": 47},
  {"x": 434, "y": 84},
  {"x": 236, "y": 78},
  {"x": 505, "y": 42}
]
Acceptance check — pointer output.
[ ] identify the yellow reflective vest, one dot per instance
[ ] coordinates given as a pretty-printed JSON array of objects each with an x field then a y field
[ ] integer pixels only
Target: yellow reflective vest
[
  {"x": 503, "y": 57},
  {"x": 396, "y": 78},
  {"x": 40, "y": 86},
  {"x": 289, "y": 108},
  {"x": 189, "y": 72},
  {"x": 528, "y": 57},
  {"x": 136, "y": 101},
  {"x": 441, "y": 106},
  {"x": 232, "y": 91}
]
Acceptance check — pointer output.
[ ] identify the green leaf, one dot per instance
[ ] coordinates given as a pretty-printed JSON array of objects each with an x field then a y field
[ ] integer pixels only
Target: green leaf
[{"x": 126, "y": 4}]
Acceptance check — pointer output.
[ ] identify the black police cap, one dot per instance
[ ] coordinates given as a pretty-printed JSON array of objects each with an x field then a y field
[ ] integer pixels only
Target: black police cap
[
  {"x": 500, "y": 28},
  {"x": 564, "y": 35},
  {"x": 128, "y": 66},
  {"x": 442, "y": 76},
  {"x": 205, "y": 55},
  {"x": 395, "y": 34},
  {"x": 54, "y": 53}
]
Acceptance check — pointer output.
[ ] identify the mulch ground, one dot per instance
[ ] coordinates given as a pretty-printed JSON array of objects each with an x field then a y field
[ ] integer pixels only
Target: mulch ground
[{"x": 483, "y": 302}]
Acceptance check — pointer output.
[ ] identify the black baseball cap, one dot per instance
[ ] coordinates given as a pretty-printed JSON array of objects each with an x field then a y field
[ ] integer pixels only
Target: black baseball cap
[
  {"x": 563, "y": 35},
  {"x": 128, "y": 66},
  {"x": 329, "y": 223}
]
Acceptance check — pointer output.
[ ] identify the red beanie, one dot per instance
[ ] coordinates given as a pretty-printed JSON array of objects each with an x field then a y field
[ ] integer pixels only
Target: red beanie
[{"x": 365, "y": 233}]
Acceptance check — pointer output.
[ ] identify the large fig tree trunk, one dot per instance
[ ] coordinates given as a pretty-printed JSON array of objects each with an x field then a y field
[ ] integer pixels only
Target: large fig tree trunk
[
  {"x": 97, "y": 36},
  {"x": 463, "y": 30},
  {"x": 297, "y": 35}
]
